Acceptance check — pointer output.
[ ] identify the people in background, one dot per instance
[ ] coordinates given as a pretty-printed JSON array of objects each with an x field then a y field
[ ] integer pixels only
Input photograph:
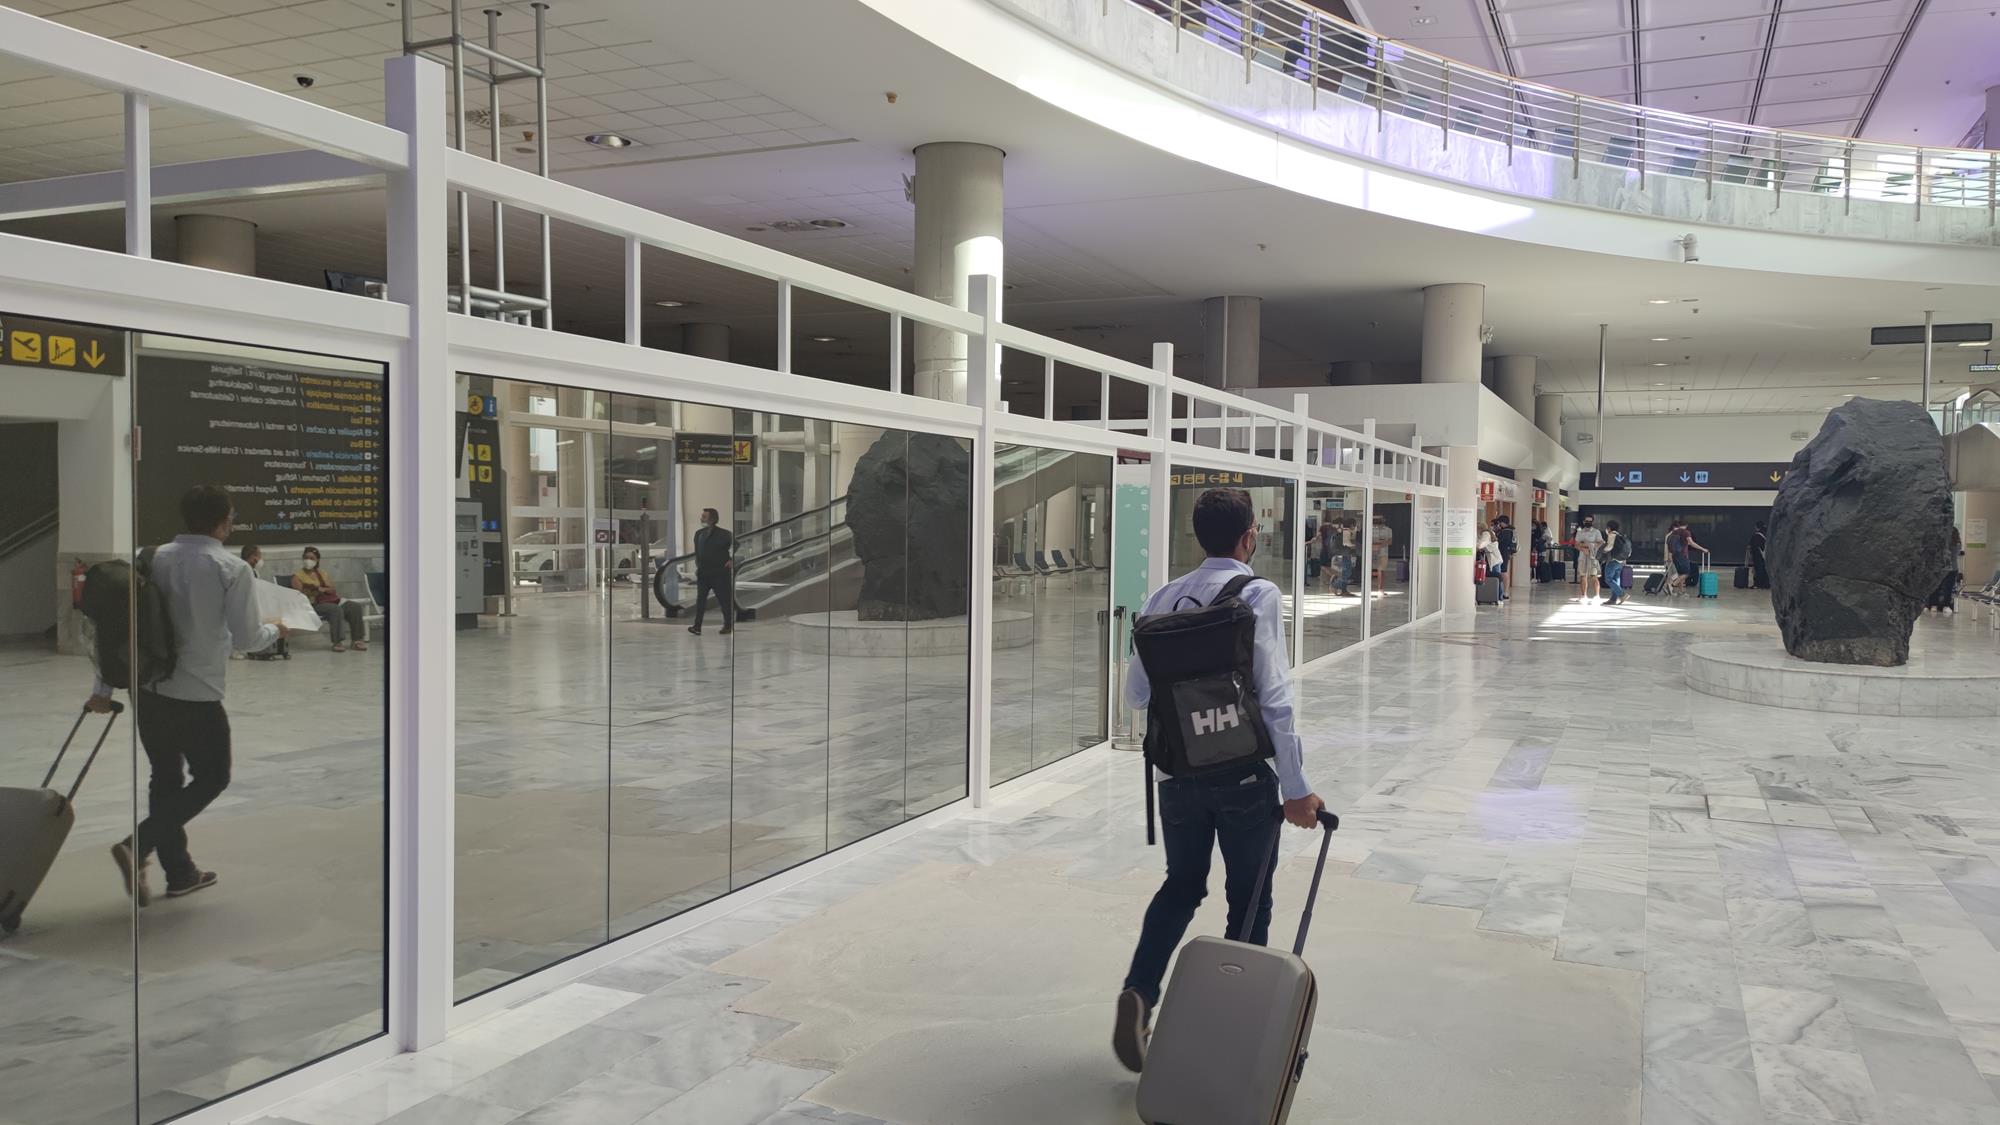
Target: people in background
[
  {"x": 1232, "y": 809},
  {"x": 1503, "y": 538},
  {"x": 1589, "y": 543},
  {"x": 714, "y": 568},
  {"x": 1328, "y": 533},
  {"x": 344, "y": 617},
  {"x": 1616, "y": 550},
  {"x": 1681, "y": 548},
  {"x": 1760, "y": 575},
  {"x": 1488, "y": 547},
  {"x": 211, "y": 603}
]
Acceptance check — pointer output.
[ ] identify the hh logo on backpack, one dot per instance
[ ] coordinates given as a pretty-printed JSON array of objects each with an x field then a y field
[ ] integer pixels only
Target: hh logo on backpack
[{"x": 1215, "y": 719}]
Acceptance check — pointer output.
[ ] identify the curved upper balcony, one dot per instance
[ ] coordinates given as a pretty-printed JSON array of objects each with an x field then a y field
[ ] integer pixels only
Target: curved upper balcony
[{"x": 1291, "y": 68}]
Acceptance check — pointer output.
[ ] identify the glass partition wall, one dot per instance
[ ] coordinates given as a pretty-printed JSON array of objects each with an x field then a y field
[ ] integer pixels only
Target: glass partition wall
[
  {"x": 1336, "y": 523},
  {"x": 1280, "y": 537},
  {"x": 1051, "y": 605},
  {"x": 251, "y": 791},
  {"x": 1392, "y": 550},
  {"x": 630, "y": 746}
]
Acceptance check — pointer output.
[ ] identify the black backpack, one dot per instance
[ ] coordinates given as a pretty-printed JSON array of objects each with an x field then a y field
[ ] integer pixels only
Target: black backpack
[
  {"x": 115, "y": 595},
  {"x": 1204, "y": 717},
  {"x": 1621, "y": 549}
]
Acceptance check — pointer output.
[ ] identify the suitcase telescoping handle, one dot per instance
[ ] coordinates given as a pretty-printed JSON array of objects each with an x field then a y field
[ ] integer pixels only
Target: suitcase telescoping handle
[
  {"x": 110, "y": 721},
  {"x": 1328, "y": 822}
]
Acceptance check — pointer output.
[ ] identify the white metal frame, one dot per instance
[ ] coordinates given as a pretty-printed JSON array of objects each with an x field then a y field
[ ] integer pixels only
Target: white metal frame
[{"x": 425, "y": 346}]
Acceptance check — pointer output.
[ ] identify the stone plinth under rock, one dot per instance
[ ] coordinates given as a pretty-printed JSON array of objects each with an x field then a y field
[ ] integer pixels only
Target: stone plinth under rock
[
  {"x": 1859, "y": 534},
  {"x": 910, "y": 508}
]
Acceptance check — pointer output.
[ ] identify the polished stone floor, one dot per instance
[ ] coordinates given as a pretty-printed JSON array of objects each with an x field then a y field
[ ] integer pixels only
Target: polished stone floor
[{"x": 1566, "y": 891}]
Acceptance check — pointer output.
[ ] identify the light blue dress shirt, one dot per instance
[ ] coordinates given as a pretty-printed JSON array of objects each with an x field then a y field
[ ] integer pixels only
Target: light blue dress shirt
[{"x": 1273, "y": 662}]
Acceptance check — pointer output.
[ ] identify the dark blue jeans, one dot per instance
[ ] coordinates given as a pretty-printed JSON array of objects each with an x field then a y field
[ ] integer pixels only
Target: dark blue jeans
[{"x": 1241, "y": 814}]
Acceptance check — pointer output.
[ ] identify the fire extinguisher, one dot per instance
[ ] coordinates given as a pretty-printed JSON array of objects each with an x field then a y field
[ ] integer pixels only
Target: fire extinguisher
[{"x": 76, "y": 584}]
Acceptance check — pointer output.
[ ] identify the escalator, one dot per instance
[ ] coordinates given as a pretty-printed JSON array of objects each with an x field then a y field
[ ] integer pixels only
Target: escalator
[{"x": 807, "y": 562}]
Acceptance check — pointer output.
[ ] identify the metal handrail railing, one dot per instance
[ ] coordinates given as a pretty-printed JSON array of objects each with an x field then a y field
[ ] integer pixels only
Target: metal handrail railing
[{"x": 1348, "y": 61}]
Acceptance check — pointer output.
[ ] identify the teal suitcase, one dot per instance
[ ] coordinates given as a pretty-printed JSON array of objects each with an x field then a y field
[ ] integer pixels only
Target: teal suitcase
[{"x": 1711, "y": 584}]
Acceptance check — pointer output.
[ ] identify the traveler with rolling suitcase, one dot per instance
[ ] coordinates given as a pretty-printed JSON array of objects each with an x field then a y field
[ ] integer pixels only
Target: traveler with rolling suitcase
[
  {"x": 35, "y": 822},
  {"x": 1231, "y": 1042},
  {"x": 1213, "y": 677}
]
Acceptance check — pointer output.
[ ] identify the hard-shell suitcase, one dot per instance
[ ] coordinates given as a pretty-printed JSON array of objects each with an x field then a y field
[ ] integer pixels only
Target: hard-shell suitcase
[
  {"x": 1711, "y": 584},
  {"x": 1229, "y": 1046},
  {"x": 1743, "y": 578},
  {"x": 33, "y": 825},
  {"x": 1489, "y": 591},
  {"x": 1656, "y": 583}
]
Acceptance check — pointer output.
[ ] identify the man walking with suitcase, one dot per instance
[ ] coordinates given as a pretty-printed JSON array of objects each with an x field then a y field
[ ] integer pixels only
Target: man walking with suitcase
[
  {"x": 210, "y": 600},
  {"x": 1233, "y": 807}
]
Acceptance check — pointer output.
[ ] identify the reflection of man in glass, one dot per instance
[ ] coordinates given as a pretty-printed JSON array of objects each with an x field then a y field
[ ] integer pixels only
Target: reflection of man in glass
[
  {"x": 713, "y": 567},
  {"x": 210, "y": 599}
]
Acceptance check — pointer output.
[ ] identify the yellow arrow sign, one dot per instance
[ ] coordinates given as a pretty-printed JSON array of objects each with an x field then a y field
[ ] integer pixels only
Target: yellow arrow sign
[{"x": 1776, "y": 476}]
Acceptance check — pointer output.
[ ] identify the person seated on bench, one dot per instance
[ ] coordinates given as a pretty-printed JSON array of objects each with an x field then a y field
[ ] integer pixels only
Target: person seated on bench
[{"x": 344, "y": 616}]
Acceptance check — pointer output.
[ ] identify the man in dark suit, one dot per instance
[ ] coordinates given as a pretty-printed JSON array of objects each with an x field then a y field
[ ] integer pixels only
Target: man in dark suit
[{"x": 714, "y": 570}]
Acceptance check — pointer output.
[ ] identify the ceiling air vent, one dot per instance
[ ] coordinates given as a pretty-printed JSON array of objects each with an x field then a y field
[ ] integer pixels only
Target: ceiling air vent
[{"x": 1800, "y": 435}]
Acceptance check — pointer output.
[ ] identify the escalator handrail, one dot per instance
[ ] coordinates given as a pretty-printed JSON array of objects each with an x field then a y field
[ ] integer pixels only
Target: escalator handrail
[{"x": 826, "y": 507}]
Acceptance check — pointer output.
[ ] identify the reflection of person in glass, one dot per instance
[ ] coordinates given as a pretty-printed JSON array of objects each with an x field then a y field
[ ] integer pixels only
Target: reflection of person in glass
[
  {"x": 211, "y": 601},
  {"x": 344, "y": 617},
  {"x": 714, "y": 569}
]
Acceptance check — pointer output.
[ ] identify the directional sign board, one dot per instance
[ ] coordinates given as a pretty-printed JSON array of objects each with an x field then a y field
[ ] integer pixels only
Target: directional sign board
[
  {"x": 714, "y": 449},
  {"x": 59, "y": 346},
  {"x": 1719, "y": 474},
  {"x": 1940, "y": 334},
  {"x": 1976, "y": 368}
]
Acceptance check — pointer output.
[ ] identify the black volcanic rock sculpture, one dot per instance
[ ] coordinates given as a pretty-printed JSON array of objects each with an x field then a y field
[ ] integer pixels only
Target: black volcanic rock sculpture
[
  {"x": 910, "y": 508},
  {"x": 1859, "y": 534}
]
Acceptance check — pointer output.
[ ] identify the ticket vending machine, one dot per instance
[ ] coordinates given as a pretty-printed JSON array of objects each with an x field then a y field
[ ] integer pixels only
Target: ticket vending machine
[{"x": 469, "y": 557}]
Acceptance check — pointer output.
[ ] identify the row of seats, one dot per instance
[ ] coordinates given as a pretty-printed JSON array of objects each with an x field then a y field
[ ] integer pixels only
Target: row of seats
[
  {"x": 1988, "y": 598},
  {"x": 1021, "y": 568}
]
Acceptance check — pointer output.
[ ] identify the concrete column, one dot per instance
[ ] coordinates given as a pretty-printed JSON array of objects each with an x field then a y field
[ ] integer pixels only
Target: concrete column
[
  {"x": 1515, "y": 375},
  {"x": 958, "y": 199},
  {"x": 1549, "y": 416},
  {"x": 216, "y": 242},
  {"x": 1519, "y": 576},
  {"x": 1551, "y": 513},
  {"x": 1461, "y": 494},
  {"x": 1231, "y": 330},
  {"x": 1452, "y": 316},
  {"x": 705, "y": 486}
]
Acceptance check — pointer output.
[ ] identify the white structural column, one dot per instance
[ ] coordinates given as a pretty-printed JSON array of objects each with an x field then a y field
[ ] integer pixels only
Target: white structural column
[
  {"x": 1231, "y": 330},
  {"x": 1520, "y": 574},
  {"x": 216, "y": 242},
  {"x": 1461, "y": 501},
  {"x": 1515, "y": 376},
  {"x": 1549, "y": 416},
  {"x": 1452, "y": 316},
  {"x": 958, "y": 195}
]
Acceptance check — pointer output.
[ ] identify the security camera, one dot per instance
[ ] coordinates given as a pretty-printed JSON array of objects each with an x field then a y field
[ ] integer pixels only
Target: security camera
[
  {"x": 1686, "y": 243},
  {"x": 305, "y": 81}
]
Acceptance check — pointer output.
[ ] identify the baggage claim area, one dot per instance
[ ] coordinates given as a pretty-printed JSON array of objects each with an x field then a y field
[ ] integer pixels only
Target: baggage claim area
[{"x": 591, "y": 562}]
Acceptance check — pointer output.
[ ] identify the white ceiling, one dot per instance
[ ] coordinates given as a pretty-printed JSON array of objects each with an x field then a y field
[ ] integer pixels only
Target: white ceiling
[
  {"x": 1113, "y": 244},
  {"x": 603, "y": 78},
  {"x": 1839, "y": 67}
]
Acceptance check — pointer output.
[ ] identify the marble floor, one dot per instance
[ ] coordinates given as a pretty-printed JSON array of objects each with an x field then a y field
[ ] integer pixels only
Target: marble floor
[{"x": 1566, "y": 891}]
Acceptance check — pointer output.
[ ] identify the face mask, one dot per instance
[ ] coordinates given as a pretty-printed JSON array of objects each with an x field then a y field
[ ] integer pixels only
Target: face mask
[{"x": 312, "y": 564}]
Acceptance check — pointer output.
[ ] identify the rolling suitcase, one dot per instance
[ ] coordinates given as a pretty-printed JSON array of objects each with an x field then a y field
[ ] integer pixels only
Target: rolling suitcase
[
  {"x": 1229, "y": 1046},
  {"x": 1711, "y": 584},
  {"x": 1489, "y": 591},
  {"x": 35, "y": 822},
  {"x": 1743, "y": 578},
  {"x": 1656, "y": 583}
]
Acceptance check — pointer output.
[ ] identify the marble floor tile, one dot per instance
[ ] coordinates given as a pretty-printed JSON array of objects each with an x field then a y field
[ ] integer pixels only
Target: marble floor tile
[
  {"x": 604, "y": 1099},
  {"x": 1926, "y": 1065},
  {"x": 748, "y": 1093},
  {"x": 1789, "y": 1017},
  {"x": 1681, "y": 1093},
  {"x": 1690, "y": 1031},
  {"x": 1811, "y": 1081},
  {"x": 1888, "y": 1005}
]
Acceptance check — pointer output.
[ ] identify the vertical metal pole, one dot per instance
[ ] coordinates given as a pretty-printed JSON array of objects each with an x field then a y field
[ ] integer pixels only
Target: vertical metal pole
[
  {"x": 1711, "y": 160},
  {"x": 1381, "y": 85},
  {"x": 1576, "y": 139},
  {"x": 1177, "y": 25},
  {"x": 423, "y": 454},
  {"x": 138, "y": 176},
  {"x": 1992, "y": 167},
  {"x": 463, "y": 203},
  {"x": 634, "y": 305},
  {"x": 785, "y": 326},
  {"x": 1603, "y": 363},
  {"x": 1048, "y": 386},
  {"x": 1640, "y": 118},
  {"x": 1104, "y": 398},
  {"x": 1301, "y": 416},
  {"x": 1446, "y": 145},
  {"x": 542, "y": 155},
  {"x": 1778, "y": 171},
  {"x": 1312, "y": 33},
  {"x": 1847, "y": 182},
  {"x": 1929, "y": 316},
  {"x": 896, "y": 353},
  {"x": 493, "y": 136},
  {"x": 1920, "y": 190},
  {"x": 1513, "y": 108},
  {"x": 982, "y": 394},
  {"x": 1367, "y": 537},
  {"x": 1159, "y": 482}
]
